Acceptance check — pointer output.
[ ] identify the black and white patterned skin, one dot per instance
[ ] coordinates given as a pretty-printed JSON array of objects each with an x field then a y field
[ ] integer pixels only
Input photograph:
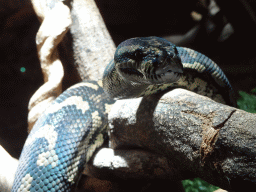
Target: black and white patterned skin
[{"x": 66, "y": 135}]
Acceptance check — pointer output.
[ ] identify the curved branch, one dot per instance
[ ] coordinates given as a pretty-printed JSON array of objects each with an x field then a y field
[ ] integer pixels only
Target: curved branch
[{"x": 56, "y": 22}]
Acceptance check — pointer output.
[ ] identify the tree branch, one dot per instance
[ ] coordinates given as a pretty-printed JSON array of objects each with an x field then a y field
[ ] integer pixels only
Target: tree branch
[
  {"x": 199, "y": 138},
  {"x": 55, "y": 24},
  {"x": 178, "y": 136}
]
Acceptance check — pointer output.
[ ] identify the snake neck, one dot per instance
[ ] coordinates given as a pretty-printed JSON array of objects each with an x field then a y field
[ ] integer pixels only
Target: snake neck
[{"x": 119, "y": 88}]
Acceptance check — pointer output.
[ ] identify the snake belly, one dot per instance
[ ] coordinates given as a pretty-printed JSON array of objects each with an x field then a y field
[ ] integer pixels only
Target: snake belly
[{"x": 65, "y": 136}]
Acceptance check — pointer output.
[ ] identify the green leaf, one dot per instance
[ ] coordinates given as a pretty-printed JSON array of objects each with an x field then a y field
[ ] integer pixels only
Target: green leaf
[
  {"x": 253, "y": 90},
  {"x": 198, "y": 185},
  {"x": 247, "y": 101}
]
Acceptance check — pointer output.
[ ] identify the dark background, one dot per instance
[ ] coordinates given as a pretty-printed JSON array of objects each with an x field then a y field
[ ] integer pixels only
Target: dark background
[{"x": 233, "y": 50}]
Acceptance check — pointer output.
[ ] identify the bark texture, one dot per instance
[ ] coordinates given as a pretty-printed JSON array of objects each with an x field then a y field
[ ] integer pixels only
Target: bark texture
[{"x": 198, "y": 136}]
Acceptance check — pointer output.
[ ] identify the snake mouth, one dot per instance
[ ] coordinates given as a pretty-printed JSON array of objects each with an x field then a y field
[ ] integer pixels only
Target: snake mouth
[
  {"x": 168, "y": 76},
  {"x": 131, "y": 72}
]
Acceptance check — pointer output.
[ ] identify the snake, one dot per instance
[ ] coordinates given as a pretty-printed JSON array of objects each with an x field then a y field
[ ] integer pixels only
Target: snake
[{"x": 67, "y": 134}]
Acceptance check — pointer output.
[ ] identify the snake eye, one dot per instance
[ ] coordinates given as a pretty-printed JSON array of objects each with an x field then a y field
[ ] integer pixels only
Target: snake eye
[{"x": 138, "y": 54}]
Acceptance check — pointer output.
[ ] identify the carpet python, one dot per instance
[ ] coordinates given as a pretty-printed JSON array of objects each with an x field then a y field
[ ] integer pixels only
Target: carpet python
[{"x": 66, "y": 135}]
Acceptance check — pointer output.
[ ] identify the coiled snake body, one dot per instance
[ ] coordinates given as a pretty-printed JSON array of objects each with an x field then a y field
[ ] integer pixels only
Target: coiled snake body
[{"x": 66, "y": 135}]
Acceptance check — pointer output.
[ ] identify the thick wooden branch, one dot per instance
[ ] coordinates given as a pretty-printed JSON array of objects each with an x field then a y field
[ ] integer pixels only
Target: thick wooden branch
[
  {"x": 178, "y": 136},
  {"x": 197, "y": 136},
  {"x": 92, "y": 44}
]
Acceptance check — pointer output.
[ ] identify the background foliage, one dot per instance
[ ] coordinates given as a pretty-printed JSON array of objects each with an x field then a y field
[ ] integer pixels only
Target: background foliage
[
  {"x": 247, "y": 101},
  {"x": 198, "y": 185}
]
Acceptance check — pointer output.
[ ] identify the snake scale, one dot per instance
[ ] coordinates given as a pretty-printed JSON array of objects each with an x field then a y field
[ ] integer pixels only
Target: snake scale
[{"x": 66, "y": 135}]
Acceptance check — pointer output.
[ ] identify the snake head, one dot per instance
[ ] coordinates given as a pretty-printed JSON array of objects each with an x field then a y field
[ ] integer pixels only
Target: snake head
[{"x": 149, "y": 60}]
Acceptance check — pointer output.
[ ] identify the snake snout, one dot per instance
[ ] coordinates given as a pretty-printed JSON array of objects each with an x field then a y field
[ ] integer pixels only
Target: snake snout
[
  {"x": 167, "y": 74},
  {"x": 168, "y": 71}
]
